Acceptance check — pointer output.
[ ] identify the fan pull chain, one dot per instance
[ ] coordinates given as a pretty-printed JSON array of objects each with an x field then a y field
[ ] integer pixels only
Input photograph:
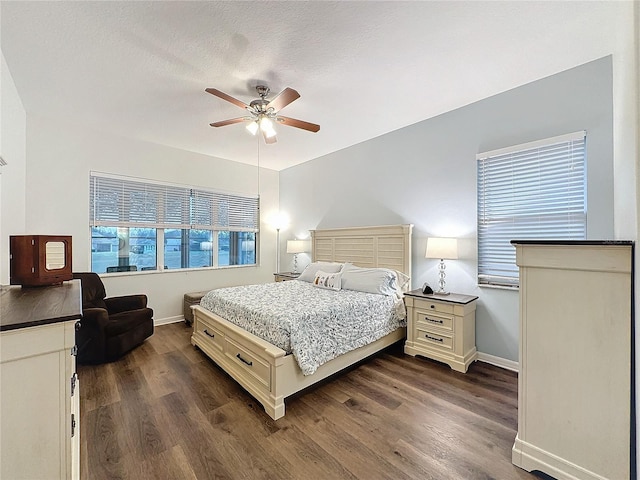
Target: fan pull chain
[{"x": 258, "y": 143}]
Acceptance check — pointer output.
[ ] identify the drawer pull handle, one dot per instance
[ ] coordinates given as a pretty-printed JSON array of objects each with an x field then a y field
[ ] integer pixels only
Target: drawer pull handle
[
  {"x": 435, "y": 339},
  {"x": 209, "y": 334},
  {"x": 243, "y": 360},
  {"x": 433, "y": 320},
  {"x": 433, "y": 306}
]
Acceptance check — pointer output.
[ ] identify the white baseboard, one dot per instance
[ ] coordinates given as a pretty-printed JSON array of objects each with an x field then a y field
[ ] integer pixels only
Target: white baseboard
[
  {"x": 499, "y": 362},
  {"x": 167, "y": 320},
  {"x": 532, "y": 458}
]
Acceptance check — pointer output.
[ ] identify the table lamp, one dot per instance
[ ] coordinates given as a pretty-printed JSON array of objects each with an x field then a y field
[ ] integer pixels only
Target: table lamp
[
  {"x": 296, "y": 247},
  {"x": 442, "y": 248}
]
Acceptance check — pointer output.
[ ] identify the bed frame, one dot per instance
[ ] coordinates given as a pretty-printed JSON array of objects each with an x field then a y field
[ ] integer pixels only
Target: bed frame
[{"x": 265, "y": 370}]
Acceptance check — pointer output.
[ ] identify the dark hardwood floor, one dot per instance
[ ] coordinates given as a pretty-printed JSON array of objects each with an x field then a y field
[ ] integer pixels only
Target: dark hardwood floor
[{"x": 165, "y": 411}]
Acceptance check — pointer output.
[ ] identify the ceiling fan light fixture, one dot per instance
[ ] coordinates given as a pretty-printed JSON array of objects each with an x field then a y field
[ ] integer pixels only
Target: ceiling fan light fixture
[
  {"x": 269, "y": 132},
  {"x": 252, "y": 126},
  {"x": 266, "y": 126},
  {"x": 263, "y": 113}
]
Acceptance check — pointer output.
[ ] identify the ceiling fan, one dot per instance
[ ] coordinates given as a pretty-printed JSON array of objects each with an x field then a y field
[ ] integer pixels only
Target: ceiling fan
[{"x": 263, "y": 113}]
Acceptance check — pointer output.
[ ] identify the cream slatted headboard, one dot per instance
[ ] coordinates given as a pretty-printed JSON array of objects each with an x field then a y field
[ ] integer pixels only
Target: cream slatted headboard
[{"x": 387, "y": 246}]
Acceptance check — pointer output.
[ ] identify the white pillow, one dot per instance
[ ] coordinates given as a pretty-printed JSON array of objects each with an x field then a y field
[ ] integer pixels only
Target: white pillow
[
  {"x": 403, "y": 280},
  {"x": 309, "y": 273},
  {"x": 331, "y": 281},
  {"x": 382, "y": 281}
]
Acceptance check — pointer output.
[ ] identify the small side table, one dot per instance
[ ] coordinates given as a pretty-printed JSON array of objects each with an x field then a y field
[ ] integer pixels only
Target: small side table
[
  {"x": 442, "y": 327},
  {"x": 284, "y": 276}
]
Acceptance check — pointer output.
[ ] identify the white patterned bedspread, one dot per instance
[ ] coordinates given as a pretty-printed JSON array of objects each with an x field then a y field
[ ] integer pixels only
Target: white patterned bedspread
[{"x": 314, "y": 324}]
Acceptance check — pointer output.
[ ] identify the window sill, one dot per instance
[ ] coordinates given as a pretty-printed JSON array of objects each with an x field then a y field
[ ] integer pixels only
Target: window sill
[
  {"x": 515, "y": 288},
  {"x": 172, "y": 270}
]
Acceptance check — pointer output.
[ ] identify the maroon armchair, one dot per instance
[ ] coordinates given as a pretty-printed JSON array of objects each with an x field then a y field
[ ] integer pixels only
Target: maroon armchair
[{"x": 110, "y": 327}]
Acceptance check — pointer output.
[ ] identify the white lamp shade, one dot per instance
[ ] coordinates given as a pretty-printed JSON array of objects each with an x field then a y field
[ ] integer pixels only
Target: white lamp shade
[
  {"x": 297, "y": 246},
  {"x": 442, "y": 248}
]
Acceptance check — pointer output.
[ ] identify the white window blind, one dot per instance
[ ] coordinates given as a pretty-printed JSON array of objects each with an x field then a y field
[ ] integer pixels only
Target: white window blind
[
  {"x": 535, "y": 191},
  {"x": 126, "y": 202}
]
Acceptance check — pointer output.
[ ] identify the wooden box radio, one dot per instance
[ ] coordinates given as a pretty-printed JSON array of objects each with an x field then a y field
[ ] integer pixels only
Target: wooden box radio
[{"x": 37, "y": 260}]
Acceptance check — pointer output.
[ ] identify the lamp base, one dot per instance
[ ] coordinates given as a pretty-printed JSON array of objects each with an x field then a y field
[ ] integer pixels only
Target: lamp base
[{"x": 441, "y": 282}]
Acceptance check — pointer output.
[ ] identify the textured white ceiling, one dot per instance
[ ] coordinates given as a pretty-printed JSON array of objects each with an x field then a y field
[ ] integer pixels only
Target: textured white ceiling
[{"x": 364, "y": 68}]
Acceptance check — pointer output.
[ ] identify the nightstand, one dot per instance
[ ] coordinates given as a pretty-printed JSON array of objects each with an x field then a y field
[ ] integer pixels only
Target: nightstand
[
  {"x": 284, "y": 276},
  {"x": 442, "y": 327}
]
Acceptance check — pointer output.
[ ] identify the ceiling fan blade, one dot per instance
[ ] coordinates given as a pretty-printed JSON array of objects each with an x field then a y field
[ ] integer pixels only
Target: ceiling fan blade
[
  {"x": 269, "y": 140},
  {"x": 292, "y": 122},
  {"x": 231, "y": 121},
  {"x": 284, "y": 98},
  {"x": 226, "y": 97}
]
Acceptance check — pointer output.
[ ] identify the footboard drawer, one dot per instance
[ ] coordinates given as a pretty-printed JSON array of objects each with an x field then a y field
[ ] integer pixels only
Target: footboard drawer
[
  {"x": 249, "y": 362},
  {"x": 213, "y": 336}
]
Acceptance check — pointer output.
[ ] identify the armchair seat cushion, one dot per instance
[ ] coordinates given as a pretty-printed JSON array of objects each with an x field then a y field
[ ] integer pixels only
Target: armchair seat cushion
[
  {"x": 126, "y": 303},
  {"x": 125, "y": 321},
  {"x": 110, "y": 327}
]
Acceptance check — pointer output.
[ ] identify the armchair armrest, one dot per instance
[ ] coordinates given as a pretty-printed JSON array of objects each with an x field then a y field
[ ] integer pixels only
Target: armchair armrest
[
  {"x": 125, "y": 303},
  {"x": 94, "y": 318},
  {"x": 90, "y": 336}
]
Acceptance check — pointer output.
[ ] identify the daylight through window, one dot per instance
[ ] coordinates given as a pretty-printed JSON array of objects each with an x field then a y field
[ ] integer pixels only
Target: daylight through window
[
  {"x": 535, "y": 191},
  {"x": 139, "y": 224}
]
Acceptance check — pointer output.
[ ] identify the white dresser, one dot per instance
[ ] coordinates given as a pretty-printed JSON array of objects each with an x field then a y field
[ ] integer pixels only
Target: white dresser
[
  {"x": 39, "y": 395},
  {"x": 574, "y": 387}
]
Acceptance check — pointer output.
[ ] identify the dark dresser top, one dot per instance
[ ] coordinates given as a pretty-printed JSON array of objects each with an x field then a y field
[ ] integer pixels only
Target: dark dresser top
[
  {"x": 572, "y": 242},
  {"x": 22, "y": 307}
]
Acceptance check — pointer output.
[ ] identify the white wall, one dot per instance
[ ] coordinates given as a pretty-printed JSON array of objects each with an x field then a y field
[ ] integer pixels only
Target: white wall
[
  {"x": 631, "y": 82},
  {"x": 626, "y": 141},
  {"x": 12, "y": 177},
  {"x": 425, "y": 174},
  {"x": 60, "y": 157}
]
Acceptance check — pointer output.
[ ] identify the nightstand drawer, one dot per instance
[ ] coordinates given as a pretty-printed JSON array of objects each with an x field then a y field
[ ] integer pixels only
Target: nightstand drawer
[
  {"x": 431, "y": 319},
  {"x": 429, "y": 306},
  {"x": 434, "y": 339}
]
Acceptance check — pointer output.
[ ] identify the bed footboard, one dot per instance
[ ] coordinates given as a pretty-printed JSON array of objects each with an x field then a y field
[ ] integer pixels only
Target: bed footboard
[
  {"x": 251, "y": 361},
  {"x": 264, "y": 370}
]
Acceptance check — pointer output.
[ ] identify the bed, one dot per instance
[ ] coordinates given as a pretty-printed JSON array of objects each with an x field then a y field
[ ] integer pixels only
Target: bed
[{"x": 266, "y": 369}]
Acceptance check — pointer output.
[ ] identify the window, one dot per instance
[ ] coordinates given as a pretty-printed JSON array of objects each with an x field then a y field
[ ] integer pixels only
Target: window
[
  {"x": 185, "y": 248},
  {"x": 116, "y": 249},
  {"x": 535, "y": 191},
  {"x": 139, "y": 225},
  {"x": 236, "y": 248}
]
